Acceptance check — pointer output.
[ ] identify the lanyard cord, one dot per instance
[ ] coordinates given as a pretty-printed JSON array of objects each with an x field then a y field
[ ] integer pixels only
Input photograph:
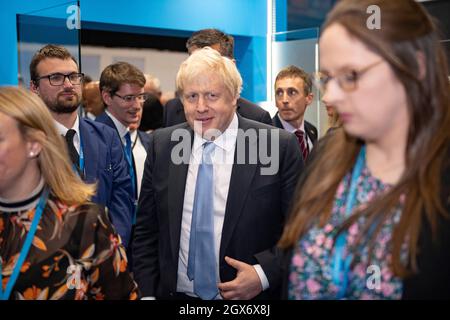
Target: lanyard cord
[
  {"x": 4, "y": 295},
  {"x": 341, "y": 266}
]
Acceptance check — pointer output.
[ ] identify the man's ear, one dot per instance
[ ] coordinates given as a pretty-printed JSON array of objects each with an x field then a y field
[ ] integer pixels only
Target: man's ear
[
  {"x": 106, "y": 97},
  {"x": 33, "y": 87},
  {"x": 309, "y": 98},
  {"x": 421, "y": 62}
]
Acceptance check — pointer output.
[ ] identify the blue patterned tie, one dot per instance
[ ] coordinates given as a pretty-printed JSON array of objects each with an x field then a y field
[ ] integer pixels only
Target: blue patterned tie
[
  {"x": 129, "y": 157},
  {"x": 202, "y": 258}
]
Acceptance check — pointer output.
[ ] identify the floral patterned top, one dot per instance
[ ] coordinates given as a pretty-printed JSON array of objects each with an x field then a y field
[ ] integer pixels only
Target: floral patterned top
[
  {"x": 311, "y": 265},
  {"x": 75, "y": 254}
]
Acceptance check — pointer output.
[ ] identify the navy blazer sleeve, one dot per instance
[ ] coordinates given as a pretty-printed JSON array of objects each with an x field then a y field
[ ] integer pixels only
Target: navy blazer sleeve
[
  {"x": 145, "y": 241},
  {"x": 121, "y": 205}
]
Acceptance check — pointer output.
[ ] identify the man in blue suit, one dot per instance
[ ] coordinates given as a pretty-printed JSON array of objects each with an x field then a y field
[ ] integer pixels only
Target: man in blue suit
[
  {"x": 95, "y": 150},
  {"x": 122, "y": 90}
]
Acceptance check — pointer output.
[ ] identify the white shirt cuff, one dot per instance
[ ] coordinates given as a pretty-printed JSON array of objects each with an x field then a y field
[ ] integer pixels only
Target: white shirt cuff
[
  {"x": 262, "y": 276},
  {"x": 148, "y": 298}
]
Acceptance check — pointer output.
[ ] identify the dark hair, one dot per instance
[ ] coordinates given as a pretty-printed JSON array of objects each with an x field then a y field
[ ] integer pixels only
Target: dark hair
[
  {"x": 407, "y": 34},
  {"x": 295, "y": 72},
  {"x": 152, "y": 114},
  {"x": 116, "y": 74},
  {"x": 209, "y": 37},
  {"x": 48, "y": 51},
  {"x": 87, "y": 79}
]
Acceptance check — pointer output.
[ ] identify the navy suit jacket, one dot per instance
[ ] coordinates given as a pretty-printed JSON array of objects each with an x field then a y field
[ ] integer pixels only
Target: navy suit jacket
[
  {"x": 145, "y": 138},
  {"x": 255, "y": 212},
  {"x": 174, "y": 112},
  {"x": 105, "y": 165},
  {"x": 104, "y": 118}
]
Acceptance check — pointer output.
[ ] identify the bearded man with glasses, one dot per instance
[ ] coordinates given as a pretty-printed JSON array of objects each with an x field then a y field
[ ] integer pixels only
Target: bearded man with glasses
[{"x": 95, "y": 149}]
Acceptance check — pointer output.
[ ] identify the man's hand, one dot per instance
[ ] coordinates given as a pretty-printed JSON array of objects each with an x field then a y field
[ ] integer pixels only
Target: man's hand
[{"x": 245, "y": 286}]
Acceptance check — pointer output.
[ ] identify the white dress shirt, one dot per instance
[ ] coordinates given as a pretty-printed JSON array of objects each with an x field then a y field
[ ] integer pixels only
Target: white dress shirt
[
  {"x": 121, "y": 129},
  {"x": 223, "y": 159},
  {"x": 63, "y": 130},
  {"x": 139, "y": 154},
  {"x": 289, "y": 127}
]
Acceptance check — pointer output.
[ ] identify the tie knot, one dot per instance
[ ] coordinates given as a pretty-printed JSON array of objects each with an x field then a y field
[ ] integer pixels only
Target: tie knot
[
  {"x": 208, "y": 148},
  {"x": 299, "y": 133},
  {"x": 70, "y": 134},
  {"x": 128, "y": 137}
]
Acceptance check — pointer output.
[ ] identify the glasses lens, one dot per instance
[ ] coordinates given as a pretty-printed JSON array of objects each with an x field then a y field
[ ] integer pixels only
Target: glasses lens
[
  {"x": 142, "y": 97},
  {"x": 75, "y": 78},
  {"x": 348, "y": 80},
  {"x": 56, "y": 79}
]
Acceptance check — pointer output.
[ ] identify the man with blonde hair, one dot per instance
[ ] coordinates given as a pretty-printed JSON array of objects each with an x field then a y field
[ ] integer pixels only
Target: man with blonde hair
[
  {"x": 210, "y": 210},
  {"x": 224, "y": 44}
]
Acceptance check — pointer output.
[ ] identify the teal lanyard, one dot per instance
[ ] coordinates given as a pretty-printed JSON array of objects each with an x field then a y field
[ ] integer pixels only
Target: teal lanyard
[
  {"x": 81, "y": 162},
  {"x": 341, "y": 266},
  {"x": 129, "y": 158},
  {"x": 4, "y": 295}
]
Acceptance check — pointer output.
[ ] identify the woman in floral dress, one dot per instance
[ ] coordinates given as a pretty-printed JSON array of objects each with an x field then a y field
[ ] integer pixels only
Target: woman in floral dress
[
  {"x": 371, "y": 218},
  {"x": 54, "y": 243}
]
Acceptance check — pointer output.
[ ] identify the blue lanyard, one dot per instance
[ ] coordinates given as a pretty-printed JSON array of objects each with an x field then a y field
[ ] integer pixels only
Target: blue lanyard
[
  {"x": 129, "y": 158},
  {"x": 81, "y": 162},
  {"x": 4, "y": 295},
  {"x": 341, "y": 266},
  {"x": 80, "y": 169}
]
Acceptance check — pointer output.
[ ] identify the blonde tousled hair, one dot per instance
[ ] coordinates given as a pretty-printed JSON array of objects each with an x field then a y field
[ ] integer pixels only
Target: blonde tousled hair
[{"x": 36, "y": 124}]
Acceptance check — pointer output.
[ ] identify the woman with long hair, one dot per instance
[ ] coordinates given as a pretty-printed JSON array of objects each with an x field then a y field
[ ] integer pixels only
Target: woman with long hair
[
  {"x": 371, "y": 214},
  {"x": 54, "y": 243}
]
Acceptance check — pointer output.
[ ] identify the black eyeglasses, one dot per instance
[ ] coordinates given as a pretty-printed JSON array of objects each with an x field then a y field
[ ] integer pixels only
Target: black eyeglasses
[
  {"x": 131, "y": 97},
  {"x": 57, "y": 79},
  {"x": 347, "y": 81}
]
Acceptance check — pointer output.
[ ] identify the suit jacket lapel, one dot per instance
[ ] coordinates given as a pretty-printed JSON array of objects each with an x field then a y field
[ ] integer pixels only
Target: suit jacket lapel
[
  {"x": 176, "y": 189},
  {"x": 311, "y": 132},
  {"x": 241, "y": 179},
  {"x": 276, "y": 122}
]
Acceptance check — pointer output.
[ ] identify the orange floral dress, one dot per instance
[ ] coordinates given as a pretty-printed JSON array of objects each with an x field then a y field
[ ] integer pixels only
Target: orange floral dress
[{"x": 75, "y": 255}]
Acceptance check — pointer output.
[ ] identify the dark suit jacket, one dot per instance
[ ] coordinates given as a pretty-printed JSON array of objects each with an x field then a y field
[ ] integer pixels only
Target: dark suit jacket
[
  {"x": 106, "y": 165},
  {"x": 255, "y": 212},
  {"x": 145, "y": 139},
  {"x": 174, "y": 112},
  {"x": 311, "y": 130}
]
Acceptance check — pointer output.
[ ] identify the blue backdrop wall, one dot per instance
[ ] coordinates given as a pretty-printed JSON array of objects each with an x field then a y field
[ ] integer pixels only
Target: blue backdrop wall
[{"x": 244, "y": 19}]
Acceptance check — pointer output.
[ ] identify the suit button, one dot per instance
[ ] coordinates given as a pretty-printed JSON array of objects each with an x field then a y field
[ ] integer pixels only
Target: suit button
[{"x": 171, "y": 294}]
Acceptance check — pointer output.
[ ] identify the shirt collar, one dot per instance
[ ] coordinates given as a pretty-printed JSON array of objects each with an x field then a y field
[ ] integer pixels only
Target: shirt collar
[
  {"x": 63, "y": 130},
  {"x": 289, "y": 127},
  {"x": 121, "y": 129},
  {"x": 226, "y": 141}
]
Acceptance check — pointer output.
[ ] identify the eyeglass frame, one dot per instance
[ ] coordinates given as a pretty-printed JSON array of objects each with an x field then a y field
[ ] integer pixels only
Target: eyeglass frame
[
  {"x": 64, "y": 79},
  {"x": 135, "y": 96},
  {"x": 357, "y": 74}
]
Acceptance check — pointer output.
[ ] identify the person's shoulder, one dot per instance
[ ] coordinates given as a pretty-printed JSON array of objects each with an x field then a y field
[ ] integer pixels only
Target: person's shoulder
[
  {"x": 247, "y": 103},
  {"x": 310, "y": 126},
  {"x": 168, "y": 134},
  {"x": 172, "y": 103},
  {"x": 246, "y": 124},
  {"x": 87, "y": 209},
  {"x": 98, "y": 129},
  {"x": 248, "y": 107}
]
